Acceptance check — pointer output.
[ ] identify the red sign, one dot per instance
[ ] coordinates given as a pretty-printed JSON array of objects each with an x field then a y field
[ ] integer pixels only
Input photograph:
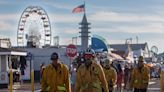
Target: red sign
[{"x": 71, "y": 50}]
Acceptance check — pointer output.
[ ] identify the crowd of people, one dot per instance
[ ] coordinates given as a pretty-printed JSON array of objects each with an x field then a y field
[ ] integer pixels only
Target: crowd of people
[{"x": 88, "y": 73}]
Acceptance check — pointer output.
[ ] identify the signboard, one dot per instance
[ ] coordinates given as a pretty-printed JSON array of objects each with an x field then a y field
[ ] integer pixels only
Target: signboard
[{"x": 71, "y": 50}]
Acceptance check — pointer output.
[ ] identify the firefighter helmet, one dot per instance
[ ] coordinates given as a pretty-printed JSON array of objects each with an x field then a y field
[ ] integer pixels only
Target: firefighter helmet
[{"x": 89, "y": 53}]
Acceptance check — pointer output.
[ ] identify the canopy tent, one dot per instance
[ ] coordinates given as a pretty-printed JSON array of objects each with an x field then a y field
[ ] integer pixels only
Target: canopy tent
[
  {"x": 99, "y": 44},
  {"x": 114, "y": 56}
]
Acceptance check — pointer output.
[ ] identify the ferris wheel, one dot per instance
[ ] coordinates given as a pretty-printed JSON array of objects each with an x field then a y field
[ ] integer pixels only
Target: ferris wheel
[{"x": 34, "y": 26}]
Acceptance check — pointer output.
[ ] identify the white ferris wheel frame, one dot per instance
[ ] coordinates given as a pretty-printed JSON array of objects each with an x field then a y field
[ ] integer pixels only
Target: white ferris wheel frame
[{"x": 22, "y": 22}]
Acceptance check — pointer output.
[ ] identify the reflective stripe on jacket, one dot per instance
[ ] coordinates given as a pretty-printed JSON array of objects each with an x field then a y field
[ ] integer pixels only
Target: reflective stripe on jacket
[{"x": 61, "y": 88}]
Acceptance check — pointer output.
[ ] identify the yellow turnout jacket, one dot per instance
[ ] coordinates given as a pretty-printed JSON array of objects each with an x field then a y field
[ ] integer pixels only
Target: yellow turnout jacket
[
  {"x": 140, "y": 79},
  {"x": 56, "y": 80},
  {"x": 111, "y": 76},
  {"x": 91, "y": 79}
]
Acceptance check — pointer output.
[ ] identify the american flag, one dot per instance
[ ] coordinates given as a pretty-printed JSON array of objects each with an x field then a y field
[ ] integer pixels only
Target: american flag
[{"x": 80, "y": 8}]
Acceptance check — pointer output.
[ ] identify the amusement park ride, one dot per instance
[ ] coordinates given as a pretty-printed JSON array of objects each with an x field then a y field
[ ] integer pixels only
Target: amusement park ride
[
  {"x": 34, "y": 31},
  {"x": 34, "y": 28}
]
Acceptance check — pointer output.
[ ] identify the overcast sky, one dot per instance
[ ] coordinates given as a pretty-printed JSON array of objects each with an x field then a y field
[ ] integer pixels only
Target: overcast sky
[{"x": 115, "y": 20}]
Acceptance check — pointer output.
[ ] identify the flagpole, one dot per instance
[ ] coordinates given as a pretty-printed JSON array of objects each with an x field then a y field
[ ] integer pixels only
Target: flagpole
[{"x": 84, "y": 7}]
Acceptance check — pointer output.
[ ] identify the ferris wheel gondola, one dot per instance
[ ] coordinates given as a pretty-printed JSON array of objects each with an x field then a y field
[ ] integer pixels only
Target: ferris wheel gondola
[{"x": 34, "y": 25}]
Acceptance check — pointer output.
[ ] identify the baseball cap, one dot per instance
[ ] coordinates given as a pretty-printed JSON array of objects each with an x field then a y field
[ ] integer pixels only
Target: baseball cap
[{"x": 54, "y": 56}]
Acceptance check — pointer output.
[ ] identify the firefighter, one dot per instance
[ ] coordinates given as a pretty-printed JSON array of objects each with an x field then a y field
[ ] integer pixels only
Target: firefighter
[
  {"x": 55, "y": 76},
  {"x": 161, "y": 71},
  {"x": 90, "y": 75},
  {"x": 140, "y": 76},
  {"x": 110, "y": 74}
]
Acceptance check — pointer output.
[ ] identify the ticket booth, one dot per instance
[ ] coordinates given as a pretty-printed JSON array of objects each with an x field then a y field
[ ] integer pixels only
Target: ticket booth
[{"x": 6, "y": 55}]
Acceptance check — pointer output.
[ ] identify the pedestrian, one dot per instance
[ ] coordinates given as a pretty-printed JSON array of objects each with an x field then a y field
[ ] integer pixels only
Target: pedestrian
[
  {"x": 113, "y": 65},
  {"x": 120, "y": 76},
  {"x": 23, "y": 65},
  {"x": 126, "y": 76},
  {"x": 110, "y": 74},
  {"x": 55, "y": 76},
  {"x": 140, "y": 76},
  {"x": 42, "y": 66},
  {"x": 90, "y": 75},
  {"x": 73, "y": 72}
]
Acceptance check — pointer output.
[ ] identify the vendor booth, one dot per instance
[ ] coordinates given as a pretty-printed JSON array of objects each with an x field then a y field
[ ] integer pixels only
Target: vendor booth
[{"x": 8, "y": 59}]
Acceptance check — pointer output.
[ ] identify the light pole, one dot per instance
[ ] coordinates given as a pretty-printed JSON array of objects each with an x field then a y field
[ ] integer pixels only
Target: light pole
[
  {"x": 128, "y": 41},
  {"x": 74, "y": 40}
]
